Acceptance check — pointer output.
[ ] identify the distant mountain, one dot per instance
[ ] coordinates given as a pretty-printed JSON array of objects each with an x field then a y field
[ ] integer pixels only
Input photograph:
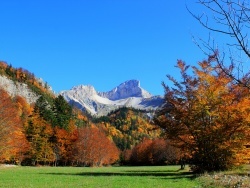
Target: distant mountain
[
  {"x": 125, "y": 90},
  {"x": 127, "y": 94}
]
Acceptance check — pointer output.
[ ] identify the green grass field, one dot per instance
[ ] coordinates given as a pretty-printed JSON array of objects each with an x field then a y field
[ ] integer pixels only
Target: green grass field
[{"x": 111, "y": 177}]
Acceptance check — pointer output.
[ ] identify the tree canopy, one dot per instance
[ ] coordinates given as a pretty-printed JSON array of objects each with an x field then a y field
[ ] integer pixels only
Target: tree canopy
[{"x": 207, "y": 116}]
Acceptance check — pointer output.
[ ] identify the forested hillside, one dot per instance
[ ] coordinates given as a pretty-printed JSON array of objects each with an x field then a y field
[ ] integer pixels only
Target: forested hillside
[
  {"x": 20, "y": 75},
  {"x": 128, "y": 127},
  {"x": 137, "y": 137},
  {"x": 51, "y": 132}
]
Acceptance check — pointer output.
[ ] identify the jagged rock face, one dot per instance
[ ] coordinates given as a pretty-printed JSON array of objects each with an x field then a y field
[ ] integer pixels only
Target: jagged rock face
[
  {"x": 16, "y": 88},
  {"x": 125, "y": 90},
  {"x": 128, "y": 94}
]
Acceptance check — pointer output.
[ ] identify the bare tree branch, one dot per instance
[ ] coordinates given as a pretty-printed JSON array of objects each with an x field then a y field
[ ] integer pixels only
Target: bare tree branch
[
  {"x": 230, "y": 18},
  {"x": 233, "y": 15}
]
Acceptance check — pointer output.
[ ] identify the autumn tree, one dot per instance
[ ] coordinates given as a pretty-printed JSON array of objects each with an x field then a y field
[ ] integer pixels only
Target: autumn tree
[
  {"x": 11, "y": 129},
  {"x": 63, "y": 144},
  {"x": 20, "y": 147},
  {"x": 24, "y": 109},
  {"x": 39, "y": 134},
  {"x": 153, "y": 152},
  {"x": 93, "y": 148},
  {"x": 141, "y": 153},
  {"x": 206, "y": 115},
  {"x": 8, "y": 120}
]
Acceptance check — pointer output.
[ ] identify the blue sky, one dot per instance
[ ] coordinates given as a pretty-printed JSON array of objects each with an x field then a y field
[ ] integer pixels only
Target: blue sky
[{"x": 99, "y": 42}]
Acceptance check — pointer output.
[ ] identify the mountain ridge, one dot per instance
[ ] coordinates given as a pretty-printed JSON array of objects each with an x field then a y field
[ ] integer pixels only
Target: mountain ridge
[
  {"x": 127, "y": 94},
  {"x": 130, "y": 88}
]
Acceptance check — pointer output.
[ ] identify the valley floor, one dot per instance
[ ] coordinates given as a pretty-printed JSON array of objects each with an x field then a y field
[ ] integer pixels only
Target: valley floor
[
  {"x": 118, "y": 177},
  {"x": 112, "y": 177}
]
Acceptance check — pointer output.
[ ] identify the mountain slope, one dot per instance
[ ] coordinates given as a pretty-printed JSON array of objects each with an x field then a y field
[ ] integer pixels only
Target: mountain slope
[
  {"x": 17, "y": 88},
  {"x": 127, "y": 127},
  {"x": 127, "y": 94},
  {"x": 20, "y": 82}
]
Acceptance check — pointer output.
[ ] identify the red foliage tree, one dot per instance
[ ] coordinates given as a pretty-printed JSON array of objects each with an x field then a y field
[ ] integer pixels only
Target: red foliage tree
[
  {"x": 93, "y": 148},
  {"x": 64, "y": 143},
  {"x": 154, "y": 152}
]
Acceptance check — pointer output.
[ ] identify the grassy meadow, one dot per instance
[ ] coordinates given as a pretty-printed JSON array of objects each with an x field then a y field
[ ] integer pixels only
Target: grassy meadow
[{"x": 111, "y": 177}]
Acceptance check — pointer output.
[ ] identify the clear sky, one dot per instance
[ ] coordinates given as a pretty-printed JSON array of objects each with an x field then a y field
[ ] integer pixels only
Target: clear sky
[{"x": 99, "y": 42}]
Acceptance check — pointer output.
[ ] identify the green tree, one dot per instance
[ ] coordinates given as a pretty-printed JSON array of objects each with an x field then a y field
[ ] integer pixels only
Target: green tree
[
  {"x": 63, "y": 112},
  {"x": 44, "y": 109},
  {"x": 10, "y": 71}
]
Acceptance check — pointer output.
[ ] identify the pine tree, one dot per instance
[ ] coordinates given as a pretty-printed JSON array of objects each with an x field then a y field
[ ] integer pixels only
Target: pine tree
[{"x": 63, "y": 112}]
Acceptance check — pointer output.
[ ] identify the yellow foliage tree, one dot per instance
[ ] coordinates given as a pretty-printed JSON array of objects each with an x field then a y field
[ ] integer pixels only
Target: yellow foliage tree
[{"x": 207, "y": 116}]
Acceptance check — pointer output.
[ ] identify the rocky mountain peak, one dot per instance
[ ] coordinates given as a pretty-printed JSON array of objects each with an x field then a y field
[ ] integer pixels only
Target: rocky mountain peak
[
  {"x": 125, "y": 90},
  {"x": 129, "y": 94},
  {"x": 84, "y": 89}
]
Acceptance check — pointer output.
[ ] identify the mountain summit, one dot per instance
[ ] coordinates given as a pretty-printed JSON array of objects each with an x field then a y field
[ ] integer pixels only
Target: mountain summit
[
  {"x": 127, "y": 94},
  {"x": 125, "y": 90}
]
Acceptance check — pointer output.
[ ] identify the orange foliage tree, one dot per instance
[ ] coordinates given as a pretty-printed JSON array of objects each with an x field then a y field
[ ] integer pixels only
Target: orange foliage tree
[
  {"x": 13, "y": 143},
  {"x": 93, "y": 148},
  {"x": 21, "y": 147},
  {"x": 207, "y": 115},
  {"x": 153, "y": 152},
  {"x": 39, "y": 134},
  {"x": 63, "y": 145}
]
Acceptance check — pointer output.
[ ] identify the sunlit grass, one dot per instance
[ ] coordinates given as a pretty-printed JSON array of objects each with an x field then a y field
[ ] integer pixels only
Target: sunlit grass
[
  {"x": 112, "y": 177},
  {"x": 236, "y": 178}
]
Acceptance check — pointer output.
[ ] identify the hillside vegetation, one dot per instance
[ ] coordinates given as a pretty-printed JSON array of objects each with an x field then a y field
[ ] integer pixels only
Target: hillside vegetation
[{"x": 51, "y": 132}]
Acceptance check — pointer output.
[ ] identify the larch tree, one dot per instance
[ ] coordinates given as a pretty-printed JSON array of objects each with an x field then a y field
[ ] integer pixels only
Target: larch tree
[
  {"x": 207, "y": 116},
  {"x": 39, "y": 134}
]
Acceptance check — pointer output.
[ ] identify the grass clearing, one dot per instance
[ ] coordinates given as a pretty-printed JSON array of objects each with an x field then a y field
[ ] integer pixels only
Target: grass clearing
[{"x": 112, "y": 177}]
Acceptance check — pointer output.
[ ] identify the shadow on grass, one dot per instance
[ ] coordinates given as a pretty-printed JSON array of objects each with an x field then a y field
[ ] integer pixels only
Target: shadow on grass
[{"x": 156, "y": 174}]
